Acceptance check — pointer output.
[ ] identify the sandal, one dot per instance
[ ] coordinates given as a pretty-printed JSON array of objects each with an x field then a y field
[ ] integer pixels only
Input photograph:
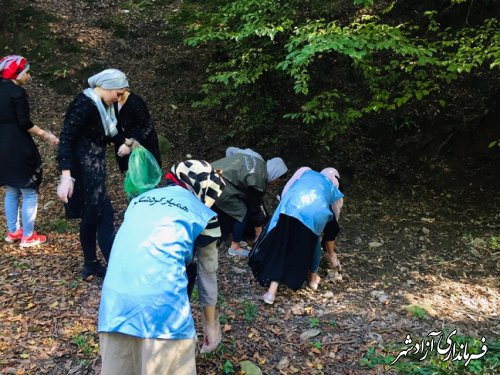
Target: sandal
[
  {"x": 238, "y": 252},
  {"x": 314, "y": 284},
  {"x": 268, "y": 298}
]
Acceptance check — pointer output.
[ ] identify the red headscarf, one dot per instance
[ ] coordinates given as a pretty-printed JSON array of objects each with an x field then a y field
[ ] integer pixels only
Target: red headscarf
[{"x": 13, "y": 66}]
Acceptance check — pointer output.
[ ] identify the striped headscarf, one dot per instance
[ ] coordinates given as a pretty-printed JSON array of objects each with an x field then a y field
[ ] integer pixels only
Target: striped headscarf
[
  {"x": 201, "y": 179},
  {"x": 13, "y": 67}
]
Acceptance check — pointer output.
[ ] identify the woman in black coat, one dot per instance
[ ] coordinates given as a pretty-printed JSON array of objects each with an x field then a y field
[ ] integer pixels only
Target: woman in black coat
[
  {"x": 134, "y": 121},
  {"x": 20, "y": 161},
  {"x": 89, "y": 125}
]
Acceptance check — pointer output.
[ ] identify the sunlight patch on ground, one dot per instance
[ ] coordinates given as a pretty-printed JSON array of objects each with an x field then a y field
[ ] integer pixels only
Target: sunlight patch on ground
[{"x": 458, "y": 300}]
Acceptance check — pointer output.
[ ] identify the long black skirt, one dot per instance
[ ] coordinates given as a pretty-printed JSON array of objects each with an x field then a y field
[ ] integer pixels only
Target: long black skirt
[{"x": 284, "y": 254}]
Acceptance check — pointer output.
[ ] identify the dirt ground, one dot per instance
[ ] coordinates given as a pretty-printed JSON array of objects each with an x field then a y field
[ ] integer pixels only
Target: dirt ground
[{"x": 416, "y": 258}]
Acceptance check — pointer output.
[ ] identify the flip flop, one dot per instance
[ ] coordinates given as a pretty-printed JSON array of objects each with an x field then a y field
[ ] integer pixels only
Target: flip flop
[
  {"x": 268, "y": 298},
  {"x": 238, "y": 252}
]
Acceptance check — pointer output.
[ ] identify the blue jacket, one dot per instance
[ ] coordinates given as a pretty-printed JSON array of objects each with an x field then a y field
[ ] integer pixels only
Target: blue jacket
[{"x": 145, "y": 290}]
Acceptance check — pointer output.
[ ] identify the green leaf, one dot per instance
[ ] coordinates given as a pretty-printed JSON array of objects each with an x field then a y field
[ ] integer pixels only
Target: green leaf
[{"x": 249, "y": 368}]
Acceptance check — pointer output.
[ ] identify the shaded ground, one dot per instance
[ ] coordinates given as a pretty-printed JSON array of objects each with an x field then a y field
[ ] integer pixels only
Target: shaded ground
[{"x": 431, "y": 245}]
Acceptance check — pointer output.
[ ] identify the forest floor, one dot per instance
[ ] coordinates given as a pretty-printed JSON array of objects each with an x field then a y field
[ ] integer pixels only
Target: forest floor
[{"x": 416, "y": 258}]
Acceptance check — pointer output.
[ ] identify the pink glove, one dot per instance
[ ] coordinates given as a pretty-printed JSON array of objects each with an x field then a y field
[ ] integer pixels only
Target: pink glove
[
  {"x": 51, "y": 138},
  {"x": 334, "y": 262},
  {"x": 65, "y": 188},
  {"x": 134, "y": 143},
  {"x": 213, "y": 335},
  {"x": 124, "y": 150}
]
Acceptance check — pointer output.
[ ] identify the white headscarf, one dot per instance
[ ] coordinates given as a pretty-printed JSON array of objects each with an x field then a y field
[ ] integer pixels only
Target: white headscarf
[
  {"x": 109, "y": 79},
  {"x": 298, "y": 174},
  {"x": 276, "y": 168},
  {"x": 332, "y": 174}
]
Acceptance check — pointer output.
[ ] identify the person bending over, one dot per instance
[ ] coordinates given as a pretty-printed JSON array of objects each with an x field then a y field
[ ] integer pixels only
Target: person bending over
[
  {"x": 145, "y": 321},
  {"x": 286, "y": 250}
]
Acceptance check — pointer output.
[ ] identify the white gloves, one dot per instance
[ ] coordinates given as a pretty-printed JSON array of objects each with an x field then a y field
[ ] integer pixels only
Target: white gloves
[
  {"x": 65, "y": 188},
  {"x": 334, "y": 261},
  {"x": 134, "y": 143},
  {"x": 127, "y": 147},
  {"x": 51, "y": 138},
  {"x": 213, "y": 335},
  {"x": 124, "y": 150}
]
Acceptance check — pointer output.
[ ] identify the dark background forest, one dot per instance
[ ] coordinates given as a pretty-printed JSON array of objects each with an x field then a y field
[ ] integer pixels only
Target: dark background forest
[{"x": 400, "y": 96}]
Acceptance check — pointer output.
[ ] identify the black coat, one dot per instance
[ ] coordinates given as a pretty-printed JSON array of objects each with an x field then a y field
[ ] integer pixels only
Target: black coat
[
  {"x": 20, "y": 161},
  {"x": 134, "y": 121},
  {"x": 82, "y": 149}
]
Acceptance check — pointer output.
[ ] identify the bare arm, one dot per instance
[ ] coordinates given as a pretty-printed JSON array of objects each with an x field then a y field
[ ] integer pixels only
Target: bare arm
[
  {"x": 207, "y": 286},
  {"x": 44, "y": 134},
  {"x": 207, "y": 278}
]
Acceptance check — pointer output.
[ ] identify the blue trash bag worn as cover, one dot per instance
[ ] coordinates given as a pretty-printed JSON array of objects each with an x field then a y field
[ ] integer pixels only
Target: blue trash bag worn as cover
[
  {"x": 309, "y": 200},
  {"x": 144, "y": 293}
]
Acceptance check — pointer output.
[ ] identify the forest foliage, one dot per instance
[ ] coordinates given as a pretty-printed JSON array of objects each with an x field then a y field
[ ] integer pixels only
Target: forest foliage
[{"x": 332, "y": 63}]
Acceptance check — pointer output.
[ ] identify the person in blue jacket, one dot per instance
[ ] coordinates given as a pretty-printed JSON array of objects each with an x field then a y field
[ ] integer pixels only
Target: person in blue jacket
[
  {"x": 145, "y": 321},
  {"x": 286, "y": 252}
]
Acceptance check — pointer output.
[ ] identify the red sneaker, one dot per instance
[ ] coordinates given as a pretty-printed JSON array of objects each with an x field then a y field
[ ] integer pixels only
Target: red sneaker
[
  {"x": 14, "y": 236},
  {"x": 33, "y": 240}
]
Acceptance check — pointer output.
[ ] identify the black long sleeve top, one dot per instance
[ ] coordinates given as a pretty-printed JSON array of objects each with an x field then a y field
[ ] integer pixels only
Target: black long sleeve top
[
  {"x": 82, "y": 124},
  {"x": 20, "y": 161}
]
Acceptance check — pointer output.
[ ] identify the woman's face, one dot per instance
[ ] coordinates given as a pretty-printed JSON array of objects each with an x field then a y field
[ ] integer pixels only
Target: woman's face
[
  {"x": 25, "y": 79},
  {"x": 110, "y": 96}
]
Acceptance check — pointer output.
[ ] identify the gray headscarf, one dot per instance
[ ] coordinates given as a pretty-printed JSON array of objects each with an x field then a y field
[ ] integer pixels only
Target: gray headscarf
[
  {"x": 230, "y": 151},
  {"x": 276, "y": 168},
  {"x": 109, "y": 79}
]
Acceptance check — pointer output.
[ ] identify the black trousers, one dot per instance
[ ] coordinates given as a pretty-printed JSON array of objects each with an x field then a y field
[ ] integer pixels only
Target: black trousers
[{"x": 97, "y": 226}]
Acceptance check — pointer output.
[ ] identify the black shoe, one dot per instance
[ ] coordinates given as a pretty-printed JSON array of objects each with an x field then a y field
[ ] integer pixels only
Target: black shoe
[{"x": 93, "y": 268}]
